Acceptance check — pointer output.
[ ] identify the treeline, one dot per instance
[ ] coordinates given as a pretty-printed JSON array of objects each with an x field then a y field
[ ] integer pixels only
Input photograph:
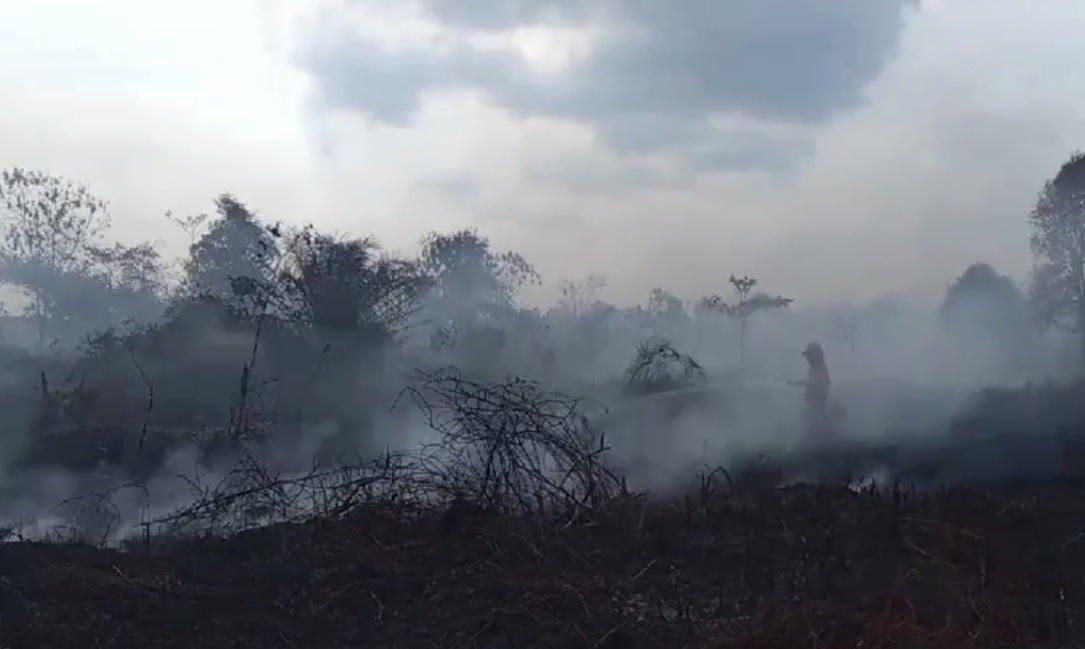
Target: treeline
[{"x": 265, "y": 326}]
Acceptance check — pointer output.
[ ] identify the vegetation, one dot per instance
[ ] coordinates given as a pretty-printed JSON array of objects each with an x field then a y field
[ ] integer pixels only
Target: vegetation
[
  {"x": 306, "y": 440},
  {"x": 1058, "y": 242}
]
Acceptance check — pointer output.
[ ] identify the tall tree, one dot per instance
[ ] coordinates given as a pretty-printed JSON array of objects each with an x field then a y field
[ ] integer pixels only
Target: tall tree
[
  {"x": 1057, "y": 287},
  {"x": 344, "y": 285},
  {"x": 987, "y": 308},
  {"x": 469, "y": 278},
  {"x": 234, "y": 247},
  {"x": 49, "y": 226},
  {"x": 982, "y": 293}
]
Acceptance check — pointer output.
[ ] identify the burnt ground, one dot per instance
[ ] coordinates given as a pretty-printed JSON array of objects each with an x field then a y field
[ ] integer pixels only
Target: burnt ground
[
  {"x": 738, "y": 562},
  {"x": 802, "y": 566}
]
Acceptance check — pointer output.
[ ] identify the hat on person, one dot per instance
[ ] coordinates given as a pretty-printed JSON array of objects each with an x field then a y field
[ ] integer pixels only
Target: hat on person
[{"x": 813, "y": 350}]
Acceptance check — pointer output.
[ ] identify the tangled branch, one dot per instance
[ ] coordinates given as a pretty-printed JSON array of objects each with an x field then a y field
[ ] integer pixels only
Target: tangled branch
[
  {"x": 658, "y": 367},
  {"x": 511, "y": 445},
  {"x": 251, "y": 494}
]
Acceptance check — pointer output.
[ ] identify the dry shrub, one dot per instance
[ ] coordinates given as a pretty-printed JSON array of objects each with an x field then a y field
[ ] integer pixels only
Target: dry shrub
[{"x": 511, "y": 445}]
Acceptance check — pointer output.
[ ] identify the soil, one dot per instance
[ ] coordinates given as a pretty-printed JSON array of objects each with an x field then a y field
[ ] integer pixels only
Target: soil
[{"x": 801, "y": 566}]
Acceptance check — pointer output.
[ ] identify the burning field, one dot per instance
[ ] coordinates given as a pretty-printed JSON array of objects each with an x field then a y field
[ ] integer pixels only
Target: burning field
[{"x": 513, "y": 531}]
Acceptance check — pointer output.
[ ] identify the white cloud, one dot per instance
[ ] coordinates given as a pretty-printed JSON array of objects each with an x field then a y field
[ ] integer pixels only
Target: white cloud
[{"x": 162, "y": 107}]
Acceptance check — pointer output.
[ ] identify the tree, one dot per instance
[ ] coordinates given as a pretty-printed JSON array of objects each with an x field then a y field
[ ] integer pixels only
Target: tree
[
  {"x": 747, "y": 305},
  {"x": 133, "y": 277},
  {"x": 578, "y": 297},
  {"x": 192, "y": 225},
  {"x": 337, "y": 284},
  {"x": 1057, "y": 287},
  {"x": 583, "y": 318},
  {"x": 49, "y": 226},
  {"x": 235, "y": 247},
  {"x": 985, "y": 310},
  {"x": 468, "y": 278},
  {"x": 665, "y": 307},
  {"x": 982, "y": 296}
]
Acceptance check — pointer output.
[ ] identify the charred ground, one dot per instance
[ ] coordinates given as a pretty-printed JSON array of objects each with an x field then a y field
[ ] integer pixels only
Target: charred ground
[
  {"x": 798, "y": 566},
  {"x": 487, "y": 548}
]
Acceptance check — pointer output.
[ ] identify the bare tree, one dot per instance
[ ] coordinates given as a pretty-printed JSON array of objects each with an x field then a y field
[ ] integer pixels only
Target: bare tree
[
  {"x": 49, "y": 225},
  {"x": 192, "y": 225},
  {"x": 1057, "y": 289},
  {"x": 747, "y": 304},
  {"x": 577, "y": 297}
]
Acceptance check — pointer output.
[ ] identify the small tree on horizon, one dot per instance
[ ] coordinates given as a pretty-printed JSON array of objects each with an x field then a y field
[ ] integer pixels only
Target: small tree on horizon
[
  {"x": 747, "y": 304},
  {"x": 579, "y": 296}
]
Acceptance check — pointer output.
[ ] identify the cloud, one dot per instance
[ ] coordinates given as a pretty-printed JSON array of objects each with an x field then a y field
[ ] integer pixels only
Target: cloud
[
  {"x": 645, "y": 77},
  {"x": 895, "y": 184}
]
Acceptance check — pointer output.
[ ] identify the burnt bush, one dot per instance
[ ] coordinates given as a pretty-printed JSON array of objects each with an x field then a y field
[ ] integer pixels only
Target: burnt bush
[{"x": 658, "y": 367}]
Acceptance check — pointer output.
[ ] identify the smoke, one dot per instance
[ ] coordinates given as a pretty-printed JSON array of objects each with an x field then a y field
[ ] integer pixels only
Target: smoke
[{"x": 107, "y": 436}]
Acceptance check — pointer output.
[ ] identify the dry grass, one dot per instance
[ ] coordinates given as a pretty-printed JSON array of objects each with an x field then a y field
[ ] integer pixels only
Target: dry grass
[{"x": 817, "y": 567}]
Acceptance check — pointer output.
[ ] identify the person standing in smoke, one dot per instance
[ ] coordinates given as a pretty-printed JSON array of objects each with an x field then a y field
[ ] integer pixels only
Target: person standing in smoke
[{"x": 816, "y": 392}]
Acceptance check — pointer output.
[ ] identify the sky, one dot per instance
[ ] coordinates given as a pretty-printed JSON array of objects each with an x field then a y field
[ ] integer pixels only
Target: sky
[{"x": 835, "y": 150}]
